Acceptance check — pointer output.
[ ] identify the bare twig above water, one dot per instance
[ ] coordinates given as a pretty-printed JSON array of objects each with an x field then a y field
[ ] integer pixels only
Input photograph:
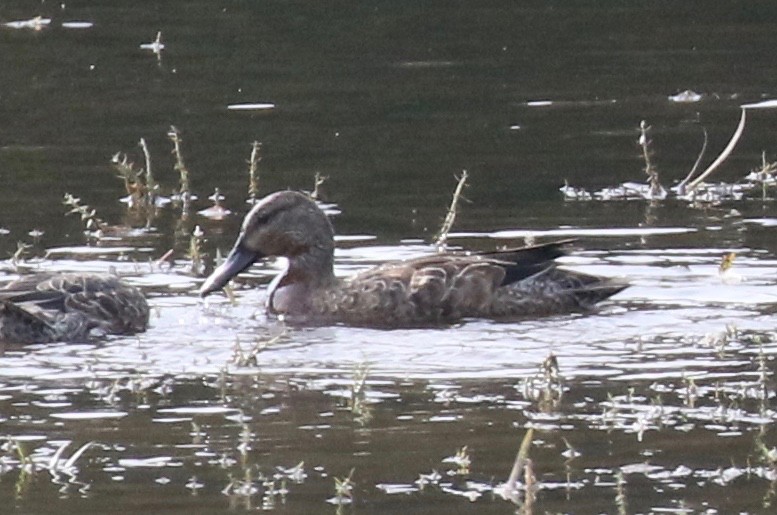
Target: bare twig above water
[
  {"x": 450, "y": 217},
  {"x": 723, "y": 155},
  {"x": 318, "y": 181},
  {"x": 681, "y": 186},
  {"x": 511, "y": 491}
]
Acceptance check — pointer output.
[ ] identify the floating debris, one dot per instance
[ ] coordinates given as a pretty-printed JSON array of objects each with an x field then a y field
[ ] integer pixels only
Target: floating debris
[
  {"x": 37, "y": 23},
  {"x": 766, "y": 104},
  {"x": 155, "y": 47},
  {"x": 686, "y": 97},
  {"x": 77, "y": 24},
  {"x": 216, "y": 211},
  {"x": 631, "y": 191},
  {"x": 36, "y": 235},
  {"x": 572, "y": 193},
  {"x": 251, "y": 107}
]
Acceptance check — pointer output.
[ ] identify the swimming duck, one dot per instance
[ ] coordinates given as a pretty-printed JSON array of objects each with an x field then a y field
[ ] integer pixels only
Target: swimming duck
[
  {"x": 427, "y": 291},
  {"x": 44, "y": 308}
]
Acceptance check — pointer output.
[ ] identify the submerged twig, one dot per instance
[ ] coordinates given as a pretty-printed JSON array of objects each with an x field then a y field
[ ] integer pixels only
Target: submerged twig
[{"x": 450, "y": 217}]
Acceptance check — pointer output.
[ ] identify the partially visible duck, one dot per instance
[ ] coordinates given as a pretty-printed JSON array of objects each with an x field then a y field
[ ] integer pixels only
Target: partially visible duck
[
  {"x": 44, "y": 308},
  {"x": 427, "y": 291}
]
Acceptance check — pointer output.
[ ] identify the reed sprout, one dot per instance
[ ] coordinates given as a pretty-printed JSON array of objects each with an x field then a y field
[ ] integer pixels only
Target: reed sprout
[
  {"x": 196, "y": 256},
  {"x": 656, "y": 191},
  {"x": 133, "y": 182},
  {"x": 184, "y": 189},
  {"x": 318, "y": 181},
  {"x": 344, "y": 489},
  {"x": 253, "y": 171}
]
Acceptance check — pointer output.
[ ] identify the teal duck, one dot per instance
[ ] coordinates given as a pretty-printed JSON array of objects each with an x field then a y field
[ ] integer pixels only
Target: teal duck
[
  {"x": 44, "y": 308},
  {"x": 427, "y": 291}
]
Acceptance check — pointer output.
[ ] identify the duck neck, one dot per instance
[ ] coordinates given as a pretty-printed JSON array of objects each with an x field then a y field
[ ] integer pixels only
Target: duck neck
[
  {"x": 313, "y": 269},
  {"x": 290, "y": 292}
]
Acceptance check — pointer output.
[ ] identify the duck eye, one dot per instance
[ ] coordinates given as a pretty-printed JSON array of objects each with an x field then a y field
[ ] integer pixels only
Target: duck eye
[{"x": 263, "y": 217}]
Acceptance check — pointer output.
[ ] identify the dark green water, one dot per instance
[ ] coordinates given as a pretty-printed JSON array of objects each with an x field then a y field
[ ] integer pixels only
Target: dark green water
[{"x": 667, "y": 393}]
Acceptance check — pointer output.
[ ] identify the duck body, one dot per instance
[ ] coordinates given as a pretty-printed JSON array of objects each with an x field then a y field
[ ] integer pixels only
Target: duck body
[
  {"x": 427, "y": 291},
  {"x": 45, "y": 308}
]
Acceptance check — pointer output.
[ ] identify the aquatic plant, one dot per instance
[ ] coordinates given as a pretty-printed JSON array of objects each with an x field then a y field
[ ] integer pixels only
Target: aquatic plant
[
  {"x": 253, "y": 172},
  {"x": 343, "y": 490},
  {"x": 546, "y": 385},
  {"x": 442, "y": 236},
  {"x": 134, "y": 184},
  {"x": 195, "y": 255},
  {"x": 19, "y": 257},
  {"x": 92, "y": 223},
  {"x": 461, "y": 460},
  {"x": 512, "y": 488},
  {"x": 184, "y": 194},
  {"x": 318, "y": 182},
  {"x": 620, "y": 493},
  {"x": 357, "y": 402},
  {"x": 655, "y": 191},
  {"x": 693, "y": 187},
  {"x": 763, "y": 175},
  {"x": 249, "y": 358}
]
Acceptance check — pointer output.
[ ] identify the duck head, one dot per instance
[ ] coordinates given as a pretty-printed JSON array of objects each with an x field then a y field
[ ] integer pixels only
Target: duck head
[{"x": 287, "y": 224}]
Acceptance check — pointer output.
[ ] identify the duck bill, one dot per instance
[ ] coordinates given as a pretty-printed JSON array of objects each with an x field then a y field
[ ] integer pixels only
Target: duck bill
[{"x": 238, "y": 260}]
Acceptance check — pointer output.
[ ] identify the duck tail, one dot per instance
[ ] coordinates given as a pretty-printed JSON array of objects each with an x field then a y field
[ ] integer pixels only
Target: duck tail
[{"x": 593, "y": 293}]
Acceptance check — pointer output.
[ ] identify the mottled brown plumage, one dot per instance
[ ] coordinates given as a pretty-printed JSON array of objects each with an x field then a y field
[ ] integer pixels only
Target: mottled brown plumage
[
  {"x": 43, "y": 308},
  {"x": 431, "y": 290}
]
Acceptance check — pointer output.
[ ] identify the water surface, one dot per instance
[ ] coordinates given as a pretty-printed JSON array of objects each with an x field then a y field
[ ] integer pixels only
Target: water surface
[{"x": 662, "y": 400}]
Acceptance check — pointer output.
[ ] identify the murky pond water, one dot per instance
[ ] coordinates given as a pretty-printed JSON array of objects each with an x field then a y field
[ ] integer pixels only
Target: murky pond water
[{"x": 662, "y": 400}]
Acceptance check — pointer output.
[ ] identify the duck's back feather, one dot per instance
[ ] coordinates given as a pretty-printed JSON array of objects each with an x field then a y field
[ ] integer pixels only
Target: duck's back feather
[
  {"x": 447, "y": 287},
  {"x": 69, "y": 307}
]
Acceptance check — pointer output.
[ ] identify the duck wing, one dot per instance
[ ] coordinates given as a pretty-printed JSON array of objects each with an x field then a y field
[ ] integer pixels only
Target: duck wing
[
  {"x": 430, "y": 289},
  {"x": 443, "y": 288},
  {"x": 521, "y": 263}
]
